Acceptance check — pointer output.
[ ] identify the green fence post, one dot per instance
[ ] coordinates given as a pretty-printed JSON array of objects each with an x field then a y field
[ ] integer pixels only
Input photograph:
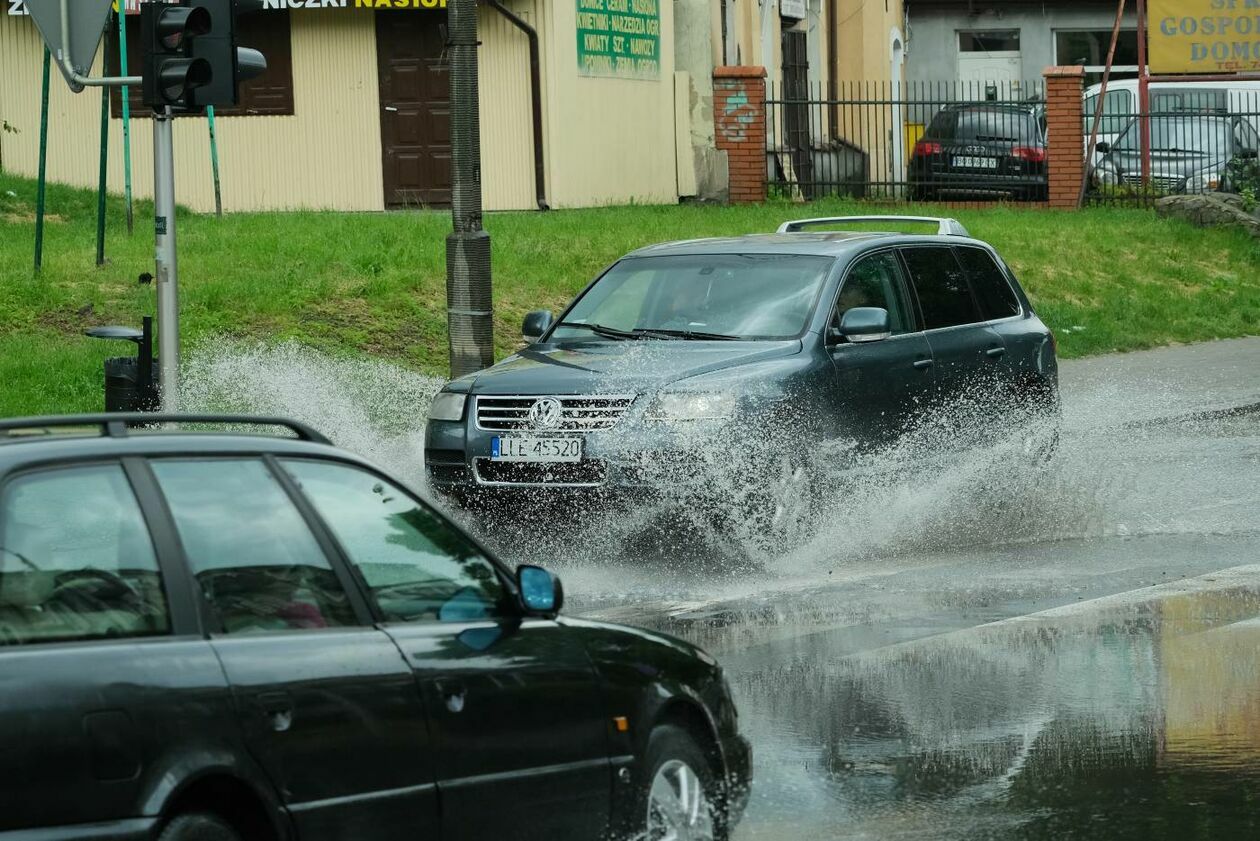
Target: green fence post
[
  {"x": 126, "y": 114},
  {"x": 43, "y": 168},
  {"x": 214, "y": 163},
  {"x": 102, "y": 180}
]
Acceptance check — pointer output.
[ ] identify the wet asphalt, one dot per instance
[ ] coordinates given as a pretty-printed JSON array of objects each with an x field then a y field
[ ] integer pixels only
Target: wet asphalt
[{"x": 1071, "y": 654}]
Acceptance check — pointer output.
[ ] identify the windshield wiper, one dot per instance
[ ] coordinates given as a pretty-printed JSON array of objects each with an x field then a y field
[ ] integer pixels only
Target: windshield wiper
[
  {"x": 684, "y": 334},
  {"x": 599, "y": 329}
]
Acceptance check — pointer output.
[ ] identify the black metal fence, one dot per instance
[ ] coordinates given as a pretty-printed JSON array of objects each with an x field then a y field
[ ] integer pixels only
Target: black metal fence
[
  {"x": 950, "y": 141},
  {"x": 1201, "y": 140}
]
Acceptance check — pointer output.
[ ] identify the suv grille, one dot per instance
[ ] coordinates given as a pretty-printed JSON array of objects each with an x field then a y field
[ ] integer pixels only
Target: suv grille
[{"x": 577, "y": 414}]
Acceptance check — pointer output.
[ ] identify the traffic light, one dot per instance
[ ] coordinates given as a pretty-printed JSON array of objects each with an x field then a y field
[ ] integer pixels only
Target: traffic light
[
  {"x": 192, "y": 59},
  {"x": 171, "y": 73},
  {"x": 231, "y": 64}
]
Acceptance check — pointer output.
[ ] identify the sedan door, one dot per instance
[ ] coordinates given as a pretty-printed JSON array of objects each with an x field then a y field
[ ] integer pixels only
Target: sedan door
[
  {"x": 519, "y": 726},
  {"x": 881, "y": 386},
  {"x": 327, "y": 706}
]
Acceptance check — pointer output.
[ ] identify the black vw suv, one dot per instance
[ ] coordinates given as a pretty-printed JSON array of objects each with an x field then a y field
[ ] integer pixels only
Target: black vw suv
[
  {"x": 228, "y": 637},
  {"x": 747, "y": 357}
]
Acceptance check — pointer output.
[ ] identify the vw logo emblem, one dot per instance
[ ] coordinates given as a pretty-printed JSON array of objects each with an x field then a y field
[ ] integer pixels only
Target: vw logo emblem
[{"x": 545, "y": 413}]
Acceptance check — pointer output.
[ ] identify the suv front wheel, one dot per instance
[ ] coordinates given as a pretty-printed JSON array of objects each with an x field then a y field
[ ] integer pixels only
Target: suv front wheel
[{"x": 199, "y": 826}]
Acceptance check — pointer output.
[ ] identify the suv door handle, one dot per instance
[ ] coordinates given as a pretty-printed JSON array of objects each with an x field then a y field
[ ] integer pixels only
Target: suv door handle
[
  {"x": 923, "y": 364},
  {"x": 995, "y": 352},
  {"x": 453, "y": 693},
  {"x": 278, "y": 708}
]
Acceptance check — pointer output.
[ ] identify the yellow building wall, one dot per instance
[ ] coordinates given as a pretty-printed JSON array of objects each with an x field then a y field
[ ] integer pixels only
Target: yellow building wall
[
  {"x": 326, "y": 156},
  {"x": 863, "y": 39},
  {"x": 608, "y": 140}
]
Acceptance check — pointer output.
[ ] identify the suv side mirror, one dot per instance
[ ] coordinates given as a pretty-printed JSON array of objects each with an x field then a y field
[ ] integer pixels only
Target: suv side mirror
[
  {"x": 536, "y": 324},
  {"x": 1102, "y": 147},
  {"x": 865, "y": 324},
  {"x": 542, "y": 594}
]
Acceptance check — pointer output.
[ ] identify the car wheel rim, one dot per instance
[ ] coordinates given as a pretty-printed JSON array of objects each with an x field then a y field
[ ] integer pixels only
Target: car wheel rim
[{"x": 678, "y": 808}]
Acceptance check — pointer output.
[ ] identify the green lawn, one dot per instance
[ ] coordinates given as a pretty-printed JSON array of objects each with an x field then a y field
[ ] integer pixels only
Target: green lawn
[{"x": 1104, "y": 279}]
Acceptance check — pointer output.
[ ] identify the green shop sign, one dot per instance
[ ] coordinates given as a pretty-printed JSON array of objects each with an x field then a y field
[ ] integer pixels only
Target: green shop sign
[{"x": 619, "y": 38}]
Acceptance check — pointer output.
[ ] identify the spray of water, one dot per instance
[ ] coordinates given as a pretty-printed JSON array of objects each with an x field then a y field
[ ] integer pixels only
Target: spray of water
[{"x": 1115, "y": 472}]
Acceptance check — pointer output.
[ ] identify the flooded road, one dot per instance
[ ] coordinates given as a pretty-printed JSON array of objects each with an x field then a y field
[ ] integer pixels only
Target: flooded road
[{"x": 976, "y": 651}]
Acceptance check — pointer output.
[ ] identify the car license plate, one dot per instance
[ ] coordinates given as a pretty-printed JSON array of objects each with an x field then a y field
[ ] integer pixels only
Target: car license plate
[
  {"x": 535, "y": 448},
  {"x": 973, "y": 162}
]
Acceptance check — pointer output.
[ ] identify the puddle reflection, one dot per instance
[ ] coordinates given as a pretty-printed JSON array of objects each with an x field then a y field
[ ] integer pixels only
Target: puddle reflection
[{"x": 1140, "y": 722}]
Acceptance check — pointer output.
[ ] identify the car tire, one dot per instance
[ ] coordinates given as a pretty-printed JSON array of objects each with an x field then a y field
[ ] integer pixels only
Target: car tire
[
  {"x": 679, "y": 796},
  {"x": 784, "y": 515},
  {"x": 920, "y": 192},
  {"x": 199, "y": 826}
]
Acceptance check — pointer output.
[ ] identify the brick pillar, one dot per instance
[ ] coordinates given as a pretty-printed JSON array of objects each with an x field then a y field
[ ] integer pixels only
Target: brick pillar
[
  {"x": 739, "y": 117},
  {"x": 1065, "y": 156}
]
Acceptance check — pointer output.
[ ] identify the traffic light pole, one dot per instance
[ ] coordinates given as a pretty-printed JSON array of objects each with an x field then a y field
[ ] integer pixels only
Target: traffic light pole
[{"x": 167, "y": 278}]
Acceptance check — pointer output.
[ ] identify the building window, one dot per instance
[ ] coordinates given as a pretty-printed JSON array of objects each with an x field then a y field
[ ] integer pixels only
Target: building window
[
  {"x": 989, "y": 41},
  {"x": 1088, "y": 48},
  {"x": 268, "y": 95}
]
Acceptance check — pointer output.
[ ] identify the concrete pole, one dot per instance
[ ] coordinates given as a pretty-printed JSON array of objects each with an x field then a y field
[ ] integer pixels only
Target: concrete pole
[{"x": 470, "y": 317}]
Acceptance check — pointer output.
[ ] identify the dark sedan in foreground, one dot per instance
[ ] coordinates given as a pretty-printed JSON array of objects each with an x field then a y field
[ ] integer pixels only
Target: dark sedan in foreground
[{"x": 231, "y": 637}]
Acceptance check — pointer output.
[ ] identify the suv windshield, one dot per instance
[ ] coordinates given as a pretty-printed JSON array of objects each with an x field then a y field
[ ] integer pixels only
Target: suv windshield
[{"x": 746, "y": 296}]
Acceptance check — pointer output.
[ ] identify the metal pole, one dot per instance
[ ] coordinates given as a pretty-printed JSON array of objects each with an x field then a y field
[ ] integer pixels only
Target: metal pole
[
  {"x": 469, "y": 309},
  {"x": 102, "y": 180},
  {"x": 1102, "y": 100},
  {"x": 41, "y": 191},
  {"x": 214, "y": 163},
  {"x": 1144, "y": 95},
  {"x": 126, "y": 117},
  {"x": 167, "y": 266}
]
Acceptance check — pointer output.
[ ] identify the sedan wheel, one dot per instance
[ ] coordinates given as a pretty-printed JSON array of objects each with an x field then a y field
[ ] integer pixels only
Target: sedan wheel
[{"x": 678, "y": 808}]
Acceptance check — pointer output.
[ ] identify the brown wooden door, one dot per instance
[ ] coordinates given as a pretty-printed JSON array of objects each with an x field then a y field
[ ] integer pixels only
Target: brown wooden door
[{"x": 415, "y": 109}]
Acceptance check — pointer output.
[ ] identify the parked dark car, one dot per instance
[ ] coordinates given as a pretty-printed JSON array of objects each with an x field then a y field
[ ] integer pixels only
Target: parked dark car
[
  {"x": 748, "y": 358},
  {"x": 982, "y": 149},
  {"x": 217, "y": 637},
  {"x": 1189, "y": 153}
]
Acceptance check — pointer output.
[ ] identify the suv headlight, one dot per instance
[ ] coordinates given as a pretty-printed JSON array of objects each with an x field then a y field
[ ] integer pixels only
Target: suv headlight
[
  {"x": 448, "y": 406},
  {"x": 1204, "y": 181},
  {"x": 688, "y": 407}
]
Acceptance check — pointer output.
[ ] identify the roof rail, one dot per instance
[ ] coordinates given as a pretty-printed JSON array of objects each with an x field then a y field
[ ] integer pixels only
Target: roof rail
[
  {"x": 117, "y": 424},
  {"x": 944, "y": 226}
]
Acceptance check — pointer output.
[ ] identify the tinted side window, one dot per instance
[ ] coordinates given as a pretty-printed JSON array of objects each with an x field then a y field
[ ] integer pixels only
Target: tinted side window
[
  {"x": 257, "y": 562},
  {"x": 875, "y": 281},
  {"x": 76, "y": 561},
  {"x": 997, "y": 299},
  {"x": 418, "y": 568},
  {"x": 942, "y": 287}
]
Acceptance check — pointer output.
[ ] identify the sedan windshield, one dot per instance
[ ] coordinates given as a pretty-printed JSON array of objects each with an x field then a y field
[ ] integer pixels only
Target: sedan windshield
[
  {"x": 702, "y": 296},
  {"x": 1203, "y": 136}
]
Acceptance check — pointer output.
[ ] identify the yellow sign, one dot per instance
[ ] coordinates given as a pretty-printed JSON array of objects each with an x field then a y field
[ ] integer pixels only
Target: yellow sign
[{"x": 1204, "y": 36}]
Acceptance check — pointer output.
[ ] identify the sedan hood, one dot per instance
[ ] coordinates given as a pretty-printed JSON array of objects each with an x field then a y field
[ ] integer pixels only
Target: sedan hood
[{"x": 628, "y": 367}]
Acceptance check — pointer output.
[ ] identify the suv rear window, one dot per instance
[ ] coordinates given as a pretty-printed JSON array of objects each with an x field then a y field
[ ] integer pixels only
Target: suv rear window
[
  {"x": 997, "y": 299},
  {"x": 985, "y": 125},
  {"x": 76, "y": 561}
]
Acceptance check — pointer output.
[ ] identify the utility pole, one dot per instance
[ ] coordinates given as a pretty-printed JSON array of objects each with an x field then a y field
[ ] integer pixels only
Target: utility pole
[{"x": 469, "y": 309}]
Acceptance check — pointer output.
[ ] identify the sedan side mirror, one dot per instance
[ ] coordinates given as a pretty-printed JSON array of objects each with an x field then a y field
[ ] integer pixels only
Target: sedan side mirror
[
  {"x": 542, "y": 594},
  {"x": 537, "y": 323},
  {"x": 865, "y": 324}
]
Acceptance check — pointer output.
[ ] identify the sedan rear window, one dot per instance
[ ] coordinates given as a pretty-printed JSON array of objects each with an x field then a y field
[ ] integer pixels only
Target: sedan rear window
[{"x": 76, "y": 562}]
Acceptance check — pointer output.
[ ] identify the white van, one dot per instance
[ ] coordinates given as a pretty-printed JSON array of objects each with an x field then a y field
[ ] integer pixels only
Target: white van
[{"x": 1120, "y": 106}]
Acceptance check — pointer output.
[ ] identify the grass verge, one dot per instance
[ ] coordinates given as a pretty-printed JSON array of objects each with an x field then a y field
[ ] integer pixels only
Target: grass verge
[{"x": 1106, "y": 279}]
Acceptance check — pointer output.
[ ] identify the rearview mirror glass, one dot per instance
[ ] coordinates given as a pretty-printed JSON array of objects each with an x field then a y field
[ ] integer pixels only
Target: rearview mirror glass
[
  {"x": 541, "y": 591},
  {"x": 1102, "y": 147},
  {"x": 537, "y": 323}
]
